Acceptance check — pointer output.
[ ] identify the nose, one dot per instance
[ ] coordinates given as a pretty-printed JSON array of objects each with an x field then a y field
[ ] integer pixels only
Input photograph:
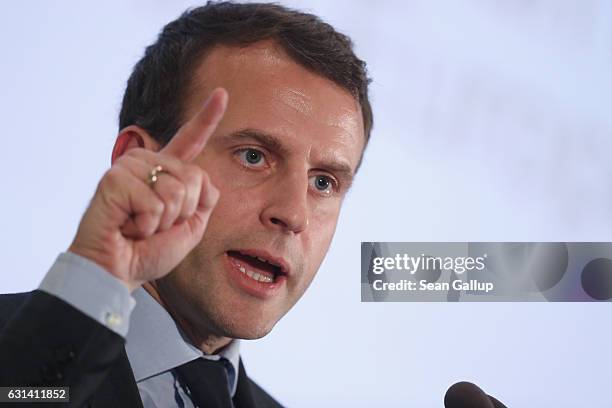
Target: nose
[{"x": 287, "y": 206}]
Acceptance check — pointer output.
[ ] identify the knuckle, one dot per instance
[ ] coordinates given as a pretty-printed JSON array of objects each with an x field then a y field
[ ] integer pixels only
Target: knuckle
[
  {"x": 172, "y": 207},
  {"x": 135, "y": 152},
  {"x": 124, "y": 163},
  {"x": 176, "y": 193},
  {"x": 112, "y": 178},
  {"x": 165, "y": 160},
  {"x": 125, "y": 159},
  {"x": 193, "y": 174},
  {"x": 145, "y": 225},
  {"x": 156, "y": 207}
]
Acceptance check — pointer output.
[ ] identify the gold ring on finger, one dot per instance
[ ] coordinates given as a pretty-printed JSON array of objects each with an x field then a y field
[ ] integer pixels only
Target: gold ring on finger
[{"x": 154, "y": 174}]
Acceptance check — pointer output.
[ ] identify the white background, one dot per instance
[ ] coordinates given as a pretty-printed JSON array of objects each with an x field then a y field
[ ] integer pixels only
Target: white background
[{"x": 492, "y": 122}]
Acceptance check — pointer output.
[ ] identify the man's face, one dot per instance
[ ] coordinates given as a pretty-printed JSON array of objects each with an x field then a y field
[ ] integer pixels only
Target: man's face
[{"x": 282, "y": 158}]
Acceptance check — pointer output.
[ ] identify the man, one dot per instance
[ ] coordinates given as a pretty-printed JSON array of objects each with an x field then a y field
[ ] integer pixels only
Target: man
[{"x": 211, "y": 222}]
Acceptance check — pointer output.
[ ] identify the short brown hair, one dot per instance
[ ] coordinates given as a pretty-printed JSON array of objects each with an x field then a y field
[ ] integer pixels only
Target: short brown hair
[{"x": 155, "y": 94}]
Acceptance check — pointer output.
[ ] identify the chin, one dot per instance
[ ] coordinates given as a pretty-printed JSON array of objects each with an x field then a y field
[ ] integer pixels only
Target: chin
[
  {"x": 237, "y": 315},
  {"x": 244, "y": 327},
  {"x": 250, "y": 333}
]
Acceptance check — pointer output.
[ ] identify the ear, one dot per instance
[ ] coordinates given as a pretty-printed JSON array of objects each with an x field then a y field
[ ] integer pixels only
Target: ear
[{"x": 131, "y": 137}]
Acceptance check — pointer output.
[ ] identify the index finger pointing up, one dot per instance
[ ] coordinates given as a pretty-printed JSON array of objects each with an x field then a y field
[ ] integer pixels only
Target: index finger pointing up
[{"x": 191, "y": 138}]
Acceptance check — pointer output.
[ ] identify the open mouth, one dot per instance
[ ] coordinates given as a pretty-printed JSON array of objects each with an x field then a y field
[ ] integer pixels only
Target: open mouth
[{"x": 258, "y": 268}]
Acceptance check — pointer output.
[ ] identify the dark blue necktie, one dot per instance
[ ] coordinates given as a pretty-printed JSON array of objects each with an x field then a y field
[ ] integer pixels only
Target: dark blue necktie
[{"x": 206, "y": 382}]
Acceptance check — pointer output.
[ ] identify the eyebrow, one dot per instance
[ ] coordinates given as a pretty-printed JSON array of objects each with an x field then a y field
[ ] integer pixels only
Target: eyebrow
[
  {"x": 269, "y": 141},
  {"x": 340, "y": 168}
]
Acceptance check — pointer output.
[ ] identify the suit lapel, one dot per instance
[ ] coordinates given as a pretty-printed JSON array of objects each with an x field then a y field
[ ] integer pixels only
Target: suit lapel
[
  {"x": 243, "y": 397},
  {"x": 119, "y": 388}
]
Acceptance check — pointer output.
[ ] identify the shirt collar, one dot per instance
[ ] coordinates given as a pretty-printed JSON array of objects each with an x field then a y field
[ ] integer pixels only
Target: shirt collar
[{"x": 153, "y": 332}]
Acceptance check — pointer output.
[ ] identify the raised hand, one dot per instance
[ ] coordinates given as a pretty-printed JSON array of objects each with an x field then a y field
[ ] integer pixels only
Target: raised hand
[{"x": 138, "y": 229}]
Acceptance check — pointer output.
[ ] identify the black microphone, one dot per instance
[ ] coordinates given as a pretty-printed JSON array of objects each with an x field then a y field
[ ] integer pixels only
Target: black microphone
[{"x": 467, "y": 395}]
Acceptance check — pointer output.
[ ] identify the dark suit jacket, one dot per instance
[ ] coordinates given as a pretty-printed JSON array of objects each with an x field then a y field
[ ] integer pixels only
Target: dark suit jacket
[{"x": 46, "y": 342}]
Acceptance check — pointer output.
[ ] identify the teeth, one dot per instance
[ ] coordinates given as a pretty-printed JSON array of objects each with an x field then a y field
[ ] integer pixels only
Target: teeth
[
  {"x": 265, "y": 278},
  {"x": 256, "y": 275},
  {"x": 261, "y": 259}
]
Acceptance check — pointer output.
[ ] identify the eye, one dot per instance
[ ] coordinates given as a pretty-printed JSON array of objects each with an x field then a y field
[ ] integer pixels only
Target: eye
[
  {"x": 323, "y": 184},
  {"x": 251, "y": 157}
]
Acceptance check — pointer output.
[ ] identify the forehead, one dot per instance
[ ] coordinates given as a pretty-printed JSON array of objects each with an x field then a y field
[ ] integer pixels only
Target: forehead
[{"x": 271, "y": 92}]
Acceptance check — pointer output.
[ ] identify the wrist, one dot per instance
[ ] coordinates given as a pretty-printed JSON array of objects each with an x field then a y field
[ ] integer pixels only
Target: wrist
[{"x": 101, "y": 261}]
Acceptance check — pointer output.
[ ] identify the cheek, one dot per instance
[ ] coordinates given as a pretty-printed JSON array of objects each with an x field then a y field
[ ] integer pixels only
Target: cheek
[
  {"x": 238, "y": 190},
  {"x": 324, "y": 215},
  {"x": 322, "y": 225},
  {"x": 318, "y": 242},
  {"x": 235, "y": 203}
]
